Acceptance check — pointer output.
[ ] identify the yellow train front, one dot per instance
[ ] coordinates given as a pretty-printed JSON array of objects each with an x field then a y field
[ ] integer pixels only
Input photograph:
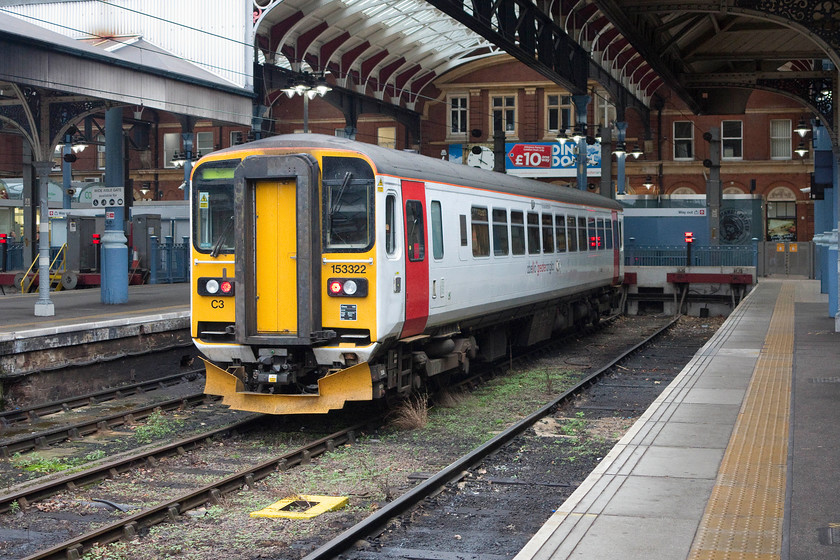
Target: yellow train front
[{"x": 325, "y": 270}]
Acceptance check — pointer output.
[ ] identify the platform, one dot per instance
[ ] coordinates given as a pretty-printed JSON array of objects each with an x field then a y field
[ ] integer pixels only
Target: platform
[
  {"x": 37, "y": 352},
  {"x": 736, "y": 459}
]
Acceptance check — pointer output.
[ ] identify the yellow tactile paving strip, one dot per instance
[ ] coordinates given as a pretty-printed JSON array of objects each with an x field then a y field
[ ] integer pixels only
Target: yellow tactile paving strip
[{"x": 744, "y": 516}]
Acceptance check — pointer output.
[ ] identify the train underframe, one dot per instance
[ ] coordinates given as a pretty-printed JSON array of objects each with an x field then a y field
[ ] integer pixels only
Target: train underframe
[{"x": 295, "y": 380}]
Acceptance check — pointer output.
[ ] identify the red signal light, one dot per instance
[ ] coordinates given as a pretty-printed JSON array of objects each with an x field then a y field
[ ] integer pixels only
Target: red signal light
[
  {"x": 335, "y": 287},
  {"x": 689, "y": 237},
  {"x": 226, "y": 287}
]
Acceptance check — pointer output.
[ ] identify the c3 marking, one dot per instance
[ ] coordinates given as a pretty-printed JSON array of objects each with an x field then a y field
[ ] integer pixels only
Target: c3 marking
[{"x": 217, "y": 303}]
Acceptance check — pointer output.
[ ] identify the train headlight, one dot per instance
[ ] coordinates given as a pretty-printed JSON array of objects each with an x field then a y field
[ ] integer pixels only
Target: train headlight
[
  {"x": 212, "y": 286},
  {"x": 347, "y": 287},
  {"x": 350, "y": 288}
]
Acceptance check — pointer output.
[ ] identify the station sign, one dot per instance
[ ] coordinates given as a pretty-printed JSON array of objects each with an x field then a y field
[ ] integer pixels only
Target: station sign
[
  {"x": 107, "y": 196},
  {"x": 57, "y": 213}
]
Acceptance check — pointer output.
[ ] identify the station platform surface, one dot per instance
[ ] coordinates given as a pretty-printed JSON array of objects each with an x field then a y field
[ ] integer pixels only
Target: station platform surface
[
  {"x": 738, "y": 457},
  {"x": 83, "y": 309}
]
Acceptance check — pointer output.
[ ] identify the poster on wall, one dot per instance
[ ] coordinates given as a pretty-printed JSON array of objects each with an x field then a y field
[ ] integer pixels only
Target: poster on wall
[{"x": 781, "y": 229}]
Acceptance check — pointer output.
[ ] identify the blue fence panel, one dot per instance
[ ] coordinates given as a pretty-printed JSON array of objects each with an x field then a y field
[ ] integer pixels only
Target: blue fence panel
[
  {"x": 701, "y": 255},
  {"x": 14, "y": 256},
  {"x": 170, "y": 263}
]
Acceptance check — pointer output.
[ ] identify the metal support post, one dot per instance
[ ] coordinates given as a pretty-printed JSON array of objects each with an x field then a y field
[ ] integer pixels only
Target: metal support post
[
  {"x": 114, "y": 283},
  {"x": 44, "y": 306},
  {"x": 713, "y": 186},
  {"x": 581, "y": 102},
  {"x": 606, "y": 189},
  {"x": 66, "y": 173},
  {"x": 188, "y": 138},
  {"x": 620, "y": 180}
]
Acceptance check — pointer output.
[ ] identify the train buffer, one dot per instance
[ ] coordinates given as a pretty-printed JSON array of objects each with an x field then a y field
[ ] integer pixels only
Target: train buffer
[{"x": 738, "y": 283}]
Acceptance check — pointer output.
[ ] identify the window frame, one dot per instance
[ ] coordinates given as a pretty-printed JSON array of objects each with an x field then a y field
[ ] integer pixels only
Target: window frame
[
  {"x": 517, "y": 233},
  {"x": 508, "y": 113},
  {"x": 785, "y": 141},
  {"x": 683, "y": 140},
  {"x": 464, "y": 112},
  {"x": 564, "y": 112},
  {"x": 732, "y": 139}
]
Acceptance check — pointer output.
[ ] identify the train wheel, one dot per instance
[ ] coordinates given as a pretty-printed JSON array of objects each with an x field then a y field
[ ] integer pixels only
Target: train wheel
[{"x": 69, "y": 280}]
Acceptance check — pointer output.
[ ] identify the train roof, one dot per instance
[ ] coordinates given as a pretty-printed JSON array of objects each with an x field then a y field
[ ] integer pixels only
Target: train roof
[{"x": 423, "y": 168}]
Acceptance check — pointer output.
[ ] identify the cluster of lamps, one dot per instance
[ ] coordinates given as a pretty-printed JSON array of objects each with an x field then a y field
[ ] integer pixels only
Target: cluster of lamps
[
  {"x": 621, "y": 148},
  {"x": 801, "y": 129},
  {"x": 179, "y": 159},
  {"x": 306, "y": 84}
]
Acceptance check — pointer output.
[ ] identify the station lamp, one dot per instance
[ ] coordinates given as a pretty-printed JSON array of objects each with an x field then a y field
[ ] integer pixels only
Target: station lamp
[{"x": 801, "y": 129}]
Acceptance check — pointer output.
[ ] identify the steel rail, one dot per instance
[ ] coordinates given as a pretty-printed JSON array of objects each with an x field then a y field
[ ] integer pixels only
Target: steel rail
[
  {"x": 30, "y": 493},
  {"x": 29, "y": 414},
  {"x": 376, "y": 522},
  {"x": 38, "y": 440},
  {"x": 128, "y": 527}
]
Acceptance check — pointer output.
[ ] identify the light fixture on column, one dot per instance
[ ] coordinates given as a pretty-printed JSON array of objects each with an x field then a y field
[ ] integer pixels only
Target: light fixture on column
[
  {"x": 801, "y": 129},
  {"x": 801, "y": 149},
  {"x": 579, "y": 133},
  {"x": 620, "y": 149},
  {"x": 648, "y": 182},
  {"x": 637, "y": 152}
]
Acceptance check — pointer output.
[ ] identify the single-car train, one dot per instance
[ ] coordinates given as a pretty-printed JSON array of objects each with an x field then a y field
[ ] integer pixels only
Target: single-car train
[{"x": 326, "y": 270}]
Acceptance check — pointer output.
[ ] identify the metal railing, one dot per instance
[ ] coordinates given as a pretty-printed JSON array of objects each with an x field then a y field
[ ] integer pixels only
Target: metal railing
[
  {"x": 170, "y": 261},
  {"x": 700, "y": 255}
]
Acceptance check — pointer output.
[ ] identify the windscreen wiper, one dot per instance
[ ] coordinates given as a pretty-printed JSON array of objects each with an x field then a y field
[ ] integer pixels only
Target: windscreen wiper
[{"x": 217, "y": 246}]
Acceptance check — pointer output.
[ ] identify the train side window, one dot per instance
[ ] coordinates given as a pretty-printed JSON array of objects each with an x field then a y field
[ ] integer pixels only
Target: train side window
[
  {"x": 548, "y": 233},
  {"x": 608, "y": 233},
  {"x": 533, "y": 233},
  {"x": 593, "y": 234},
  {"x": 437, "y": 230},
  {"x": 599, "y": 234},
  {"x": 571, "y": 233},
  {"x": 500, "y": 232},
  {"x": 480, "y": 232},
  {"x": 583, "y": 241},
  {"x": 414, "y": 235},
  {"x": 517, "y": 232},
  {"x": 390, "y": 224},
  {"x": 464, "y": 238},
  {"x": 560, "y": 232}
]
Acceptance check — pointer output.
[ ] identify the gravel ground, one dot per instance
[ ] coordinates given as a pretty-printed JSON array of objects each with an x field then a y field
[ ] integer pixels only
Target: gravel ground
[{"x": 560, "y": 453}]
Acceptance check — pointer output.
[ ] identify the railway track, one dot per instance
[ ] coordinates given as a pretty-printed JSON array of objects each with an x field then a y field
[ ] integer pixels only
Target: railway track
[
  {"x": 11, "y": 418},
  {"x": 399, "y": 530},
  {"x": 172, "y": 507}
]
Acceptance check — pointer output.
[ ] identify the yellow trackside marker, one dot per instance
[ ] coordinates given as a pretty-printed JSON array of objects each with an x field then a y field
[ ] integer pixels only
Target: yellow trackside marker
[
  {"x": 745, "y": 513},
  {"x": 302, "y": 507}
]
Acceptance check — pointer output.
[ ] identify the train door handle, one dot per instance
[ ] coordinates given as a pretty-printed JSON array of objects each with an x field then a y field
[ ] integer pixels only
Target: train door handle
[{"x": 397, "y": 284}]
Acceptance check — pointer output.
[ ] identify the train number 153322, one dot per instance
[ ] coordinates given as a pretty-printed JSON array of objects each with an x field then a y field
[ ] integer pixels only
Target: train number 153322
[{"x": 349, "y": 268}]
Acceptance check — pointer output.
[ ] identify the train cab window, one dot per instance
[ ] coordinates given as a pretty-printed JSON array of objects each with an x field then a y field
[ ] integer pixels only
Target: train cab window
[
  {"x": 548, "y": 233},
  {"x": 437, "y": 230},
  {"x": 571, "y": 233},
  {"x": 560, "y": 232},
  {"x": 533, "y": 233},
  {"x": 415, "y": 238},
  {"x": 390, "y": 224},
  {"x": 500, "y": 232},
  {"x": 213, "y": 216},
  {"x": 583, "y": 237},
  {"x": 517, "y": 232},
  {"x": 608, "y": 234},
  {"x": 348, "y": 204},
  {"x": 480, "y": 232},
  {"x": 593, "y": 234}
]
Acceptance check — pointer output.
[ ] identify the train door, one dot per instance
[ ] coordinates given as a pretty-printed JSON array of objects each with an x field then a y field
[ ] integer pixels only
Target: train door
[
  {"x": 276, "y": 270},
  {"x": 416, "y": 259}
]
